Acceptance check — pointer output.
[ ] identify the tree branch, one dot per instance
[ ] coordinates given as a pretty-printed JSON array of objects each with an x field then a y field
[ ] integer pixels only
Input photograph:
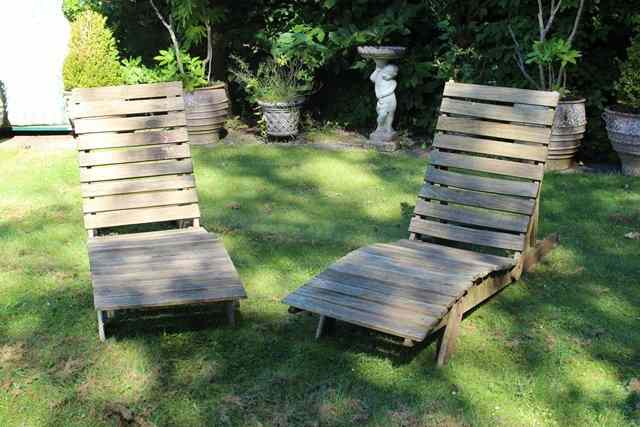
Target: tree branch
[
  {"x": 209, "y": 59},
  {"x": 172, "y": 34},
  {"x": 520, "y": 60},
  {"x": 542, "y": 38},
  {"x": 576, "y": 22},
  {"x": 552, "y": 16}
]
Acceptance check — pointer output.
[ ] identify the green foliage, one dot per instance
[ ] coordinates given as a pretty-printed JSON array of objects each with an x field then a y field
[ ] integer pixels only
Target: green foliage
[
  {"x": 628, "y": 85},
  {"x": 192, "y": 17},
  {"x": 273, "y": 81},
  {"x": 73, "y": 8},
  {"x": 167, "y": 70},
  {"x": 468, "y": 41},
  {"x": 135, "y": 72},
  {"x": 93, "y": 55},
  {"x": 553, "y": 54},
  {"x": 302, "y": 44}
]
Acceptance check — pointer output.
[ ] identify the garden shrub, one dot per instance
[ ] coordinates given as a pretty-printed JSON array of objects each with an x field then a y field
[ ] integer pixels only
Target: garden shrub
[
  {"x": 628, "y": 85},
  {"x": 93, "y": 55}
]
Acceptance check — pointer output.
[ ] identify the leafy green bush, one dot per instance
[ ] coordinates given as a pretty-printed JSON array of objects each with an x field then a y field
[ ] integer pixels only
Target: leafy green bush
[
  {"x": 628, "y": 85},
  {"x": 134, "y": 72},
  {"x": 167, "y": 69},
  {"x": 272, "y": 82},
  {"x": 93, "y": 56}
]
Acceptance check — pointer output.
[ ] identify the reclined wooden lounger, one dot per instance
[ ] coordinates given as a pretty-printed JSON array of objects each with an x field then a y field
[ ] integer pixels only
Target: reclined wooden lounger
[
  {"x": 474, "y": 227},
  {"x": 136, "y": 168}
]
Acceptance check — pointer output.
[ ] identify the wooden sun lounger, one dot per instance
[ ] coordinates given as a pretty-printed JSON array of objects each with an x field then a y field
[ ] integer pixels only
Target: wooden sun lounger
[
  {"x": 474, "y": 227},
  {"x": 136, "y": 168}
]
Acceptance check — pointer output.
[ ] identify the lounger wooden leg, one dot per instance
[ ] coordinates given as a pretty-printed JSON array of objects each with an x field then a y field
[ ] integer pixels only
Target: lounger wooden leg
[
  {"x": 448, "y": 342},
  {"x": 231, "y": 312},
  {"x": 321, "y": 325},
  {"x": 101, "y": 319}
]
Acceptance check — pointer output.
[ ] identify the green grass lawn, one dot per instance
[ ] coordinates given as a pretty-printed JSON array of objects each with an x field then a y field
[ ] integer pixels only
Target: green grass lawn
[{"x": 560, "y": 347}]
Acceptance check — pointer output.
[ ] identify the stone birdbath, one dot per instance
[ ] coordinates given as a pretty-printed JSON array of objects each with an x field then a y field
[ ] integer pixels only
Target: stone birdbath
[{"x": 384, "y": 80}]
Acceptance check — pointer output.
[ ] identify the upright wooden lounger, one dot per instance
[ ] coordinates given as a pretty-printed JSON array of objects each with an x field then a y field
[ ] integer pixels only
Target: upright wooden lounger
[
  {"x": 474, "y": 227},
  {"x": 136, "y": 168}
]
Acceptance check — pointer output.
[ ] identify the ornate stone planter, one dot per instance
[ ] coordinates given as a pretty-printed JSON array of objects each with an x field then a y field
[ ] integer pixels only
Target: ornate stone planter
[
  {"x": 283, "y": 118},
  {"x": 624, "y": 134},
  {"x": 567, "y": 133},
  {"x": 383, "y": 78}
]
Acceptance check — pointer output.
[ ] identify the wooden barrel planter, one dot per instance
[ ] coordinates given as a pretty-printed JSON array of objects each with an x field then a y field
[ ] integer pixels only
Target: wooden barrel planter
[
  {"x": 567, "y": 133},
  {"x": 207, "y": 109}
]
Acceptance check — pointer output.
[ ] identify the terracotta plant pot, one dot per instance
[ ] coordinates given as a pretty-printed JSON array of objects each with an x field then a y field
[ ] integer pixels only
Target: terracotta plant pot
[
  {"x": 206, "y": 108},
  {"x": 567, "y": 133},
  {"x": 283, "y": 118},
  {"x": 624, "y": 134}
]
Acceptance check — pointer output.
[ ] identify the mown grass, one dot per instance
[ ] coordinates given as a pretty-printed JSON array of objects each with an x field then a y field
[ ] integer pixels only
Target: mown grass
[{"x": 560, "y": 347}]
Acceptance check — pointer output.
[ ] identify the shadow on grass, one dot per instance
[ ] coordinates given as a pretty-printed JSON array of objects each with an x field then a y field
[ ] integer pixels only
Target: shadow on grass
[{"x": 195, "y": 370}]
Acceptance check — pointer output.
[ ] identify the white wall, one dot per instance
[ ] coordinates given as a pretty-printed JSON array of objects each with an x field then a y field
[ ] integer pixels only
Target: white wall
[{"x": 34, "y": 36}]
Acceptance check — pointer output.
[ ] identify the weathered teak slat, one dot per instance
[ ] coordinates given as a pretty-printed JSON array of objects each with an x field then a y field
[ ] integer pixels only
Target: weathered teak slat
[
  {"x": 481, "y": 195},
  {"x": 136, "y": 168}
]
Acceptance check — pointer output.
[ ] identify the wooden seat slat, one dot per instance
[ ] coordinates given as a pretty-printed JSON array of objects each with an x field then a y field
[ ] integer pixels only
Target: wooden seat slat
[
  {"x": 122, "y": 107},
  {"x": 512, "y": 150},
  {"x": 482, "y": 200},
  {"x": 434, "y": 250},
  {"x": 347, "y": 314},
  {"x": 168, "y": 298},
  {"x": 129, "y": 92},
  {"x": 391, "y": 289},
  {"x": 93, "y": 141},
  {"x": 132, "y": 186},
  {"x": 487, "y": 165},
  {"x": 141, "y": 200},
  {"x": 432, "y": 284},
  {"x": 374, "y": 295},
  {"x": 485, "y": 128},
  {"x": 223, "y": 271},
  {"x": 484, "y": 184},
  {"x": 501, "y": 94},
  {"x": 160, "y": 238},
  {"x": 125, "y": 171},
  {"x": 473, "y": 236},
  {"x": 407, "y": 267},
  {"x": 164, "y": 152},
  {"x": 121, "y": 124},
  {"x": 445, "y": 270},
  {"x": 429, "y": 259},
  {"x": 482, "y": 218},
  {"x": 496, "y": 112},
  {"x": 141, "y": 216},
  {"x": 404, "y": 315}
]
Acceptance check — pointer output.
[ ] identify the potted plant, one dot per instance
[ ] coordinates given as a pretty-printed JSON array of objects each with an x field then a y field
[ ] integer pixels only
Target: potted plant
[
  {"x": 552, "y": 55},
  {"x": 623, "y": 119},
  {"x": 279, "y": 89},
  {"x": 206, "y": 101}
]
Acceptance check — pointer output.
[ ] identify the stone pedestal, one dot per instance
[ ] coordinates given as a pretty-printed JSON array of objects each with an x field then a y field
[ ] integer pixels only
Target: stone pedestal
[{"x": 384, "y": 138}]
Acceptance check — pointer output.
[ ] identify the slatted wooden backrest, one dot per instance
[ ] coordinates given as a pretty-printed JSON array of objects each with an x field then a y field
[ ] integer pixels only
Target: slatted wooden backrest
[
  {"x": 482, "y": 187},
  {"x": 135, "y": 162}
]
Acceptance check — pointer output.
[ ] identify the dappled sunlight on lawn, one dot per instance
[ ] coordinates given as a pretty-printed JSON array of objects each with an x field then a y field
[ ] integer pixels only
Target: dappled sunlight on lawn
[{"x": 559, "y": 347}]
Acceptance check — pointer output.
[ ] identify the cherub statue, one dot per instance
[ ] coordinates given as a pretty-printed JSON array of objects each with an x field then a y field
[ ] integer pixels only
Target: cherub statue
[{"x": 385, "y": 84}]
